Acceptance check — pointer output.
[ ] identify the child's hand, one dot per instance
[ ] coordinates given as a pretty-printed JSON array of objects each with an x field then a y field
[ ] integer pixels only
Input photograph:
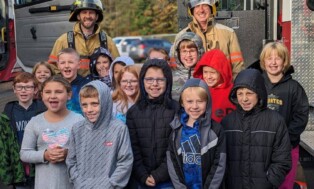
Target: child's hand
[
  {"x": 150, "y": 181},
  {"x": 55, "y": 155}
]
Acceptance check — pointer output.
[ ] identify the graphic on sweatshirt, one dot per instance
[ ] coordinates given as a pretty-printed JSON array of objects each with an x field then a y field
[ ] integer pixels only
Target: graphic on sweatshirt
[
  {"x": 55, "y": 139},
  {"x": 274, "y": 102}
]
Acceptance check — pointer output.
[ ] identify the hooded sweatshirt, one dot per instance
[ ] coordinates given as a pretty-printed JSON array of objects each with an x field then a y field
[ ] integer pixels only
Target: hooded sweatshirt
[
  {"x": 148, "y": 122},
  {"x": 92, "y": 65},
  {"x": 124, "y": 59},
  {"x": 100, "y": 154},
  {"x": 257, "y": 140},
  {"x": 221, "y": 104},
  {"x": 201, "y": 157}
]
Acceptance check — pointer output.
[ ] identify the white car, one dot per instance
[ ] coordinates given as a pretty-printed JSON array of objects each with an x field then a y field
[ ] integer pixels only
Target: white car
[{"x": 123, "y": 42}]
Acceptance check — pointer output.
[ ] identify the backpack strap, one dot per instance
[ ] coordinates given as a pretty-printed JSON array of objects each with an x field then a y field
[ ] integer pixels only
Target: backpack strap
[
  {"x": 70, "y": 36},
  {"x": 103, "y": 39}
]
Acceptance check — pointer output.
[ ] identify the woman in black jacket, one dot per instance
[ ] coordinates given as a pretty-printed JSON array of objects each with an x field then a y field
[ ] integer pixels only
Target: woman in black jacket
[
  {"x": 258, "y": 145},
  {"x": 149, "y": 124}
]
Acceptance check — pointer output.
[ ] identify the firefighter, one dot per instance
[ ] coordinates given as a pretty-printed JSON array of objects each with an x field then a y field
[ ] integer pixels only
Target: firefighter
[
  {"x": 214, "y": 35},
  {"x": 86, "y": 35}
]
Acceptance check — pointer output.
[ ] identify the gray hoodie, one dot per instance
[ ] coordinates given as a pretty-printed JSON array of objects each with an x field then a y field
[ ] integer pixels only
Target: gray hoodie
[{"x": 100, "y": 154}]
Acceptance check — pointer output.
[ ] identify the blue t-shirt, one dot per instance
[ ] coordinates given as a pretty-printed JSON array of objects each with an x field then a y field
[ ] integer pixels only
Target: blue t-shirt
[{"x": 191, "y": 153}]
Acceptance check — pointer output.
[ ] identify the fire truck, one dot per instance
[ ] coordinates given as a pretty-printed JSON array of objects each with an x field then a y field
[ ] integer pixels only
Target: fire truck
[
  {"x": 257, "y": 22},
  {"x": 29, "y": 29}
]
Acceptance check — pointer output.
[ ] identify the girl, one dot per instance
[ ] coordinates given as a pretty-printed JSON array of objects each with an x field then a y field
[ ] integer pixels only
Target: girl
[
  {"x": 127, "y": 91},
  {"x": 42, "y": 71},
  {"x": 46, "y": 136},
  {"x": 116, "y": 66},
  {"x": 286, "y": 96}
]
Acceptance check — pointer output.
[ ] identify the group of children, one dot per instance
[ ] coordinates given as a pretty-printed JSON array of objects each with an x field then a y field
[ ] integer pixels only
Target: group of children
[{"x": 189, "y": 126}]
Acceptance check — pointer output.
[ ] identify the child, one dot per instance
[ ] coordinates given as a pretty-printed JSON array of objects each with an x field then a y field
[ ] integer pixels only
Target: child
[
  {"x": 11, "y": 168},
  {"x": 126, "y": 92},
  {"x": 196, "y": 157},
  {"x": 99, "y": 65},
  {"x": 286, "y": 96},
  {"x": 215, "y": 70},
  {"x": 42, "y": 71},
  {"x": 46, "y": 136},
  {"x": 148, "y": 122},
  {"x": 188, "y": 51},
  {"x": 116, "y": 66},
  {"x": 100, "y": 154},
  {"x": 257, "y": 138},
  {"x": 25, "y": 87},
  {"x": 158, "y": 53},
  {"x": 68, "y": 64}
]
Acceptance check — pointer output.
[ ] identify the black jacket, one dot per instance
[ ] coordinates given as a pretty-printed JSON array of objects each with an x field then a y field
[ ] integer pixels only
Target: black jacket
[
  {"x": 149, "y": 125},
  {"x": 258, "y": 144},
  {"x": 213, "y": 147},
  {"x": 289, "y": 99}
]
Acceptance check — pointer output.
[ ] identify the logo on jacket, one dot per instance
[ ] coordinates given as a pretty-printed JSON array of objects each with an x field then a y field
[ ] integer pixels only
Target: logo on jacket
[
  {"x": 274, "y": 102},
  {"x": 108, "y": 143},
  {"x": 191, "y": 150}
]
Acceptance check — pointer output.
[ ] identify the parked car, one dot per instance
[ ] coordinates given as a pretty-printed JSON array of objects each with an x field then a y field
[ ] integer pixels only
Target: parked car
[
  {"x": 123, "y": 42},
  {"x": 139, "y": 49}
]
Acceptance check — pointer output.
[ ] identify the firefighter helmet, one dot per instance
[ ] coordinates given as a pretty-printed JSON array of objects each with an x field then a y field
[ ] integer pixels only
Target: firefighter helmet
[
  {"x": 79, "y": 5},
  {"x": 189, "y": 36},
  {"x": 212, "y": 3}
]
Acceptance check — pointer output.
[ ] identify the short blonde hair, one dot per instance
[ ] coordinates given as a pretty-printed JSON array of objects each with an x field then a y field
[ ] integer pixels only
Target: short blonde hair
[
  {"x": 198, "y": 90},
  {"x": 89, "y": 92},
  {"x": 69, "y": 51},
  {"x": 281, "y": 50}
]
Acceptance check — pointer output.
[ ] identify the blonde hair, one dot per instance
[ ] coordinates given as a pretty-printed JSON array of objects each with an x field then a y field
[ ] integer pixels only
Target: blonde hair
[
  {"x": 89, "y": 92},
  {"x": 198, "y": 90},
  {"x": 281, "y": 50},
  {"x": 43, "y": 63},
  {"x": 69, "y": 51},
  {"x": 118, "y": 94}
]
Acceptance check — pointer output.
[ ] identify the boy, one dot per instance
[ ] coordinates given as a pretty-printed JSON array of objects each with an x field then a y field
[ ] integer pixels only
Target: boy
[
  {"x": 286, "y": 96},
  {"x": 188, "y": 51},
  {"x": 100, "y": 154},
  {"x": 196, "y": 156},
  {"x": 99, "y": 65},
  {"x": 257, "y": 138},
  {"x": 148, "y": 122},
  {"x": 215, "y": 70},
  {"x": 25, "y": 87},
  {"x": 68, "y": 65}
]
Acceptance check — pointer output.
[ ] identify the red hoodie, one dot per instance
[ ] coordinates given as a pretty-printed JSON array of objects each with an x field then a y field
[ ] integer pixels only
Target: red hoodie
[{"x": 221, "y": 104}]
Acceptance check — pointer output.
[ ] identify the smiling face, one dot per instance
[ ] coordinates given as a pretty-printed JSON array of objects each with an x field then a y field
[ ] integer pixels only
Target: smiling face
[
  {"x": 91, "y": 108},
  {"x": 102, "y": 65},
  {"x": 55, "y": 96},
  {"x": 194, "y": 101},
  {"x": 246, "y": 98},
  {"x": 129, "y": 84},
  {"x": 42, "y": 73},
  {"x": 274, "y": 64},
  {"x": 87, "y": 18},
  {"x": 25, "y": 92},
  {"x": 154, "y": 82},
  {"x": 211, "y": 76},
  {"x": 201, "y": 13},
  {"x": 68, "y": 64}
]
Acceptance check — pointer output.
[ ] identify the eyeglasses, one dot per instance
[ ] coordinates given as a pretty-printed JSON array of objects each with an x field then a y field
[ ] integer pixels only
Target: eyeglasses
[
  {"x": 150, "y": 80},
  {"x": 186, "y": 52},
  {"x": 132, "y": 82},
  {"x": 26, "y": 88}
]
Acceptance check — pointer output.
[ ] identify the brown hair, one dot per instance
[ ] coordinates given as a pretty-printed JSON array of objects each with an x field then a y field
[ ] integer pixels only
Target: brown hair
[
  {"x": 186, "y": 43},
  {"x": 161, "y": 50},
  {"x": 43, "y": 63},
  {"x": 25, "y": 77},
  {"x": 118, "y": 94},
  {"x": 281, "y": 50},
  {"x": 89, "y": 92},
  {"x": 59, "y": 79}
]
